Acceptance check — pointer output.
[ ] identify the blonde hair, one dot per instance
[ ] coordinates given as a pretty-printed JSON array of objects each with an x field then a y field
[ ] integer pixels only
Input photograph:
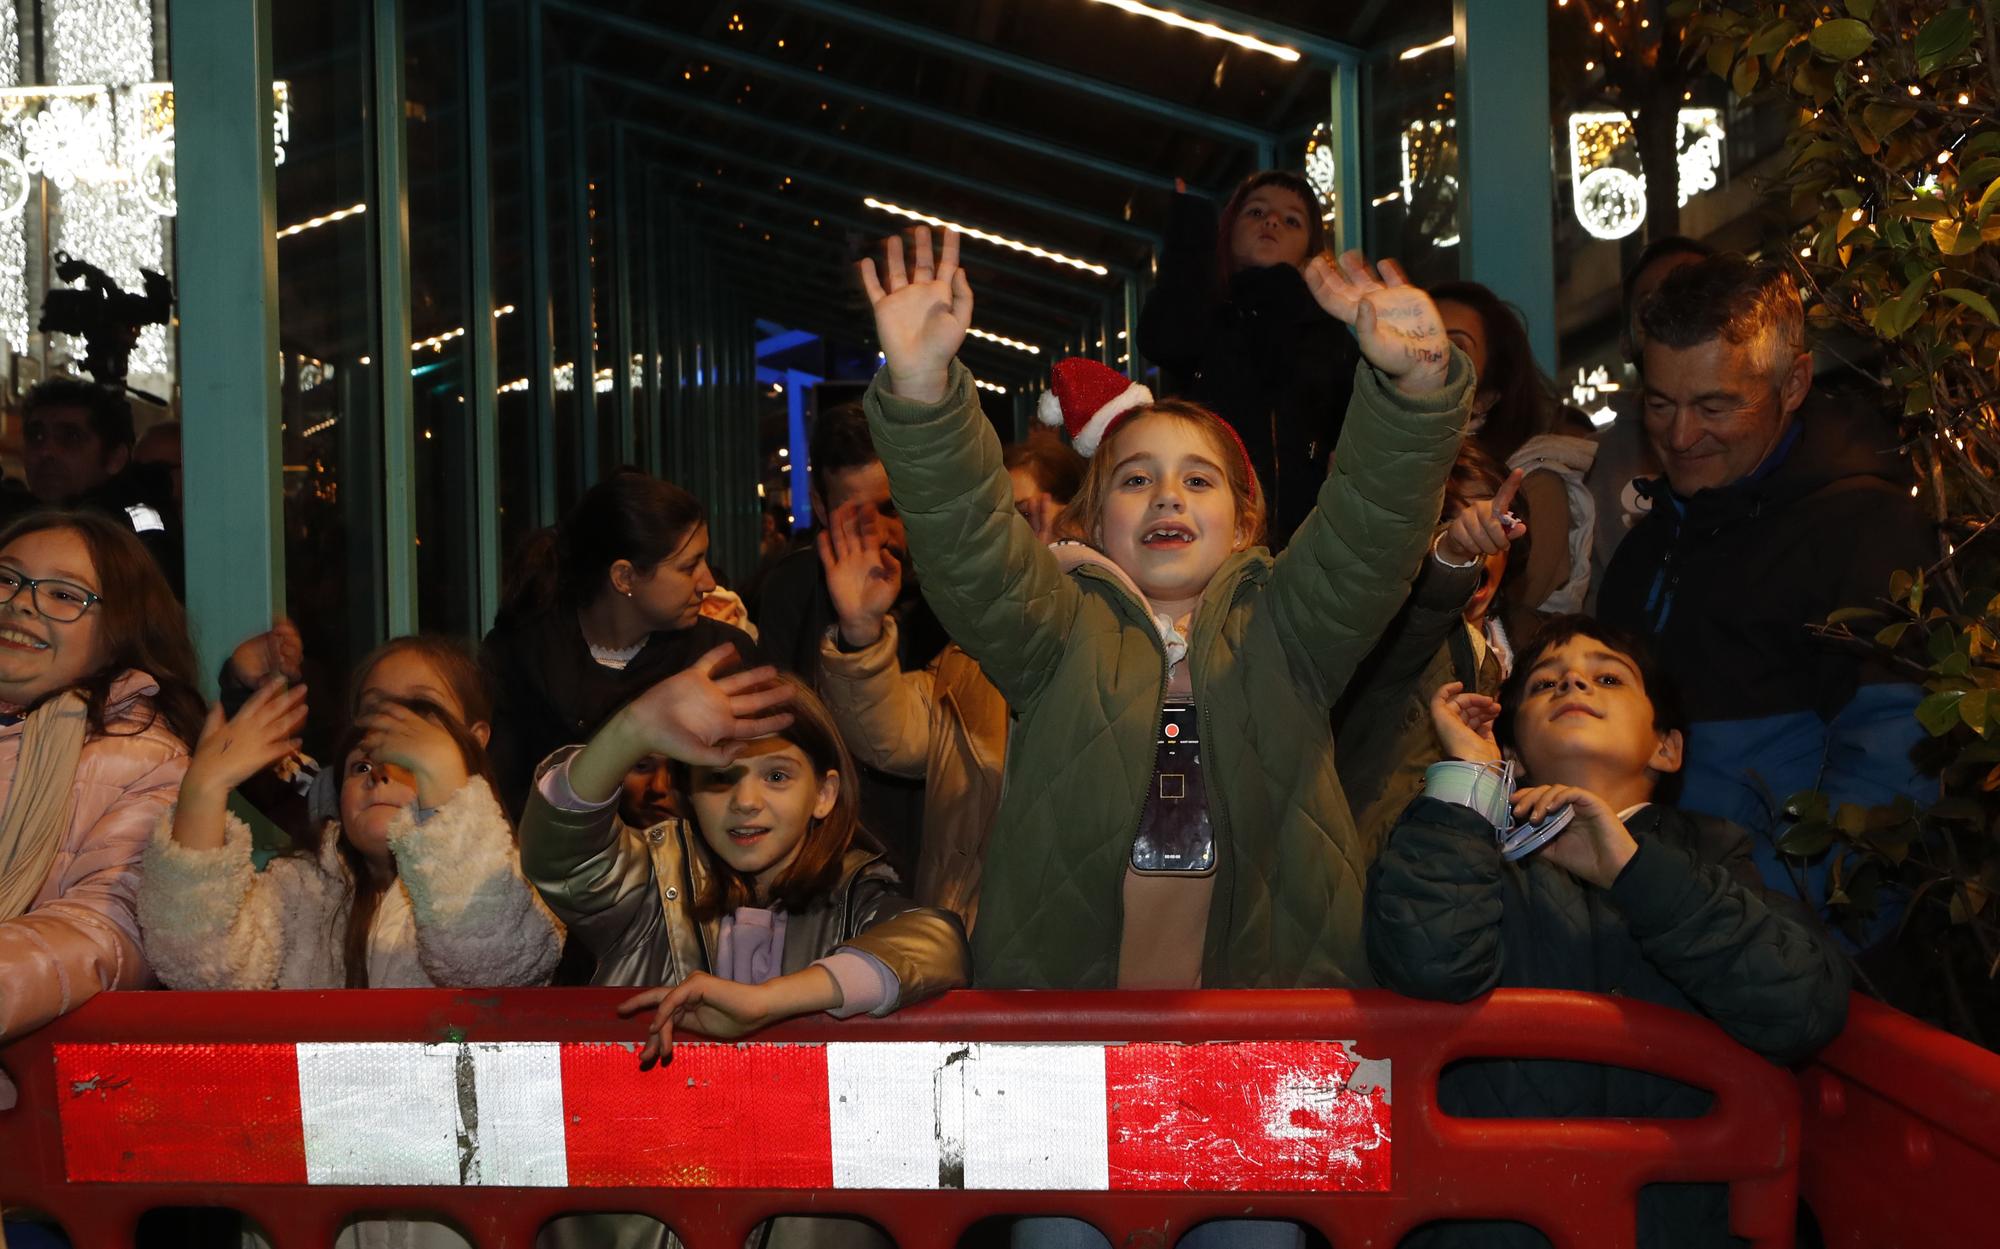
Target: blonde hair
[{"x": 1080, "y": 518}]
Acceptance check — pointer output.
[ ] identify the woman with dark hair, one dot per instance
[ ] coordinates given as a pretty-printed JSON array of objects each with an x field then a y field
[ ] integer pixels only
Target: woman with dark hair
[
  {"x": 1233, "y": 327},
  {"x": 609, "y": 607},
  {"x": 1516, "y": 421},
  {"x": 97, "y": 706}
]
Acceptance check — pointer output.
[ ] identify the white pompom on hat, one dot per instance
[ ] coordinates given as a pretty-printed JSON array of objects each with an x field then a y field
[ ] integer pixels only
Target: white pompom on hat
[{"x": 1086, "y": 398}]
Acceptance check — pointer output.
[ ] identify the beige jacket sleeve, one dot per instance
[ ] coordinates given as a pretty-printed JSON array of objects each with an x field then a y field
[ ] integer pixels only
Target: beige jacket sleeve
[
  {"x": 213, "y": 921},
  {"x": 479, "y": 922},
  {"x": 884, "y": 713}
]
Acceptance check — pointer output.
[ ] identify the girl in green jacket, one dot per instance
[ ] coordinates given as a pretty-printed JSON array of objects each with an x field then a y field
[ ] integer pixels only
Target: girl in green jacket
[{"x": 1171, "y": 815}]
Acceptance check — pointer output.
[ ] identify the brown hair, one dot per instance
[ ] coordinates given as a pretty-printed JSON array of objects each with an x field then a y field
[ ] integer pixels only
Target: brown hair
[
  {"x": 140, "y": 624},
  {"x": 450, "y": 657},
  {"x": 1056, "y": 467},
  {"x": 368, "y": 890},
  {"x": 1523, "y": 408},
  {"x": 816, "y": 869},
  {"x": 1225, "y": 224},
  {"x": 1475, "y": 475},
  {"x": 1743, "y": 302},
  {"x": 1087, "y": 508}
]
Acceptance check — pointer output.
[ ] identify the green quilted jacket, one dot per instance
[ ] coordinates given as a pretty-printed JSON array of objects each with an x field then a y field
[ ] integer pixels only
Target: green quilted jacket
[{"x": 1080, "y": 661}]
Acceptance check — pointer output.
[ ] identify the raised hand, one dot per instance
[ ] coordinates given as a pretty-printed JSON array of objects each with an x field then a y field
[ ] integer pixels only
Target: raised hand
[
  {"x": 1395, "y": 323},
  {"x": 278, "y": 650},
  {"x": 264, "y": 731},
  {"x": 1485, "y": 526},
  {"x": 1464, "y": 724},
  {"x": 1595, "y": 847},
  {"x": 921, "y": 313},
  {"x": 394, "y": 733},
  {"x": 230, "y": 752},
  {"x": 697, "y": 717},
  {"x": 862, "y": 576}
]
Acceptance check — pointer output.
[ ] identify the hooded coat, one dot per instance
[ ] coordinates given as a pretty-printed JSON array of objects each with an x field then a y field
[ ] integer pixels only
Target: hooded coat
[{"x": 1727, "y": 584}]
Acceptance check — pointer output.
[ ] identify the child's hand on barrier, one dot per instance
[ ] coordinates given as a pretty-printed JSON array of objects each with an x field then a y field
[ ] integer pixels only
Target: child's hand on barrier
[
  {"x": 1396, "y": 324},
  {"x": 921, "y": 314},
  {"x": 278, "y": 650},
  {"x": 394, "y": 733},
  {"x": 264, "y": 731},
  {"x": 1464, "y": 724},
  {"x": 1595, "y": 847},
  {"x": 698, "y": 717},
  {"x": 727, "y": 1009},
  {"x": 1484, "y": 527},
  {"x": 862, "y": 576}
]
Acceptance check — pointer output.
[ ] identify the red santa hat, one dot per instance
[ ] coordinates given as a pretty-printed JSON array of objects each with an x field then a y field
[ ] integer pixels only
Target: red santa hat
[{"x": 1088, "y": 399}]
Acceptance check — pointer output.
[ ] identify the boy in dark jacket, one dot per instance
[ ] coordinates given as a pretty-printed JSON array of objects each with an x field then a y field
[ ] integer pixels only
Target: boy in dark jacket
[{"x": 1634, "y": 897}]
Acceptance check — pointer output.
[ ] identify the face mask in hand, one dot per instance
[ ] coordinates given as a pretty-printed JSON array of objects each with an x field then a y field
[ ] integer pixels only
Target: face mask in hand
[{"x": 1488, "y": 788}]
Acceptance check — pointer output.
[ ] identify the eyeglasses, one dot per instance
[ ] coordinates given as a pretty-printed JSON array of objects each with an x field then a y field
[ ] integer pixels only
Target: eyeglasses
[{"x": 61, "y": 601}]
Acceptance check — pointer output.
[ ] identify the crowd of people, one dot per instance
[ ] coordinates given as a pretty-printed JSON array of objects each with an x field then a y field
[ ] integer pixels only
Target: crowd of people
[{"x": 1281, "y": 679}]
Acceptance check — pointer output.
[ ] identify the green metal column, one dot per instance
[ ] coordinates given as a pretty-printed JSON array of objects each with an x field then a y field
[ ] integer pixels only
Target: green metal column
[
  {"x": 1506, "y": 211},
  {"x": 540, "y": 307},
  {"x": 589, "y": 455},
  {"x": 617, "y": 200},
  {"x": 391, "y": 217},
  {"x": 1344, "y": 126},
  {"x": 227, "y": 258},
  {"x": 481, "y": 345}
]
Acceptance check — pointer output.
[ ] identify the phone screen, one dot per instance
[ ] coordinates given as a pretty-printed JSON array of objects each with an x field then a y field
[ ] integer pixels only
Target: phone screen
[{"x": 1174, "y": 832}]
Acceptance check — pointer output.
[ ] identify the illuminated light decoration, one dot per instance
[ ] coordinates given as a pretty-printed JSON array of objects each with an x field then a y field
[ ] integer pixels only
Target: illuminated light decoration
[
  {"x": 1588, "y": 388},
  {"x": 1607, "y": 190},
  {"x": 1005, "y": 341},
  {"x": 514, "y": 387},
  {"x": 1322, "y": 170},
  {"x": 314, "y": 223},
  {"x": 313, "y": 430},
  {"x": 1430, "y": 165},
  {"x": 1380, "y": 200},
  {"x": 1170, "y": 18},
  {"x": 1411, "y": 54},
  {"x": 983, "y": 236},
  {"x": 995, "y": 388}
]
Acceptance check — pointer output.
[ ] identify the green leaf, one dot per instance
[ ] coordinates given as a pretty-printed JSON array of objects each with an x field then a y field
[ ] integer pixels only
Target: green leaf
[
  {"x": 1863, "y": 9},
  {"x": 1884, "y": 120},
  {"x": 1806, "y": 840},
  {"x": 1892, "y": 636},
  {"x": 1942, "y": 38},
  {"x": 1988, "y": 199},
  {"x": 1721, "y": 56},
  {"x": 1743, "y": 79},
  {"x": 1978, "y": 145},
  {"x": 1939, "y": 713},
  {"x": 1851, "y": 819},
  {"x": 1942, "y": 643},
  {"x": 1978, "y": 172},
  {"x": 1841, "y": 39},
  {"x": 1953, "y": 239},
  {"x": 1846, "y": 614},
  {"x": 1899, "y": 585},
  {"x": 1973, "y": 300},
  {"x": 1973, "y": 710},
  {"x": 1808, "y": 805},
  {"x": 1771, "y": 38}
]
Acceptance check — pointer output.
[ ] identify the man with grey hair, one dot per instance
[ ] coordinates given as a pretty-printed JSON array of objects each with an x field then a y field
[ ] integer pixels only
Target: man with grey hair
[{"x": 1778, "y": 506}]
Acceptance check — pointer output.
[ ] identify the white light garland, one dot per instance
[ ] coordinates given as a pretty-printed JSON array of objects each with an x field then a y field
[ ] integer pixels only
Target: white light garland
[
  {"x": 992, "y": 386},
  {"x": 984, "y": 237},
  {"x": 1170, "y": 18},
  {"x": 92, "y": 41},
  {"x": 13, "y": 184},
  {"x": 1004, "y": 341}
]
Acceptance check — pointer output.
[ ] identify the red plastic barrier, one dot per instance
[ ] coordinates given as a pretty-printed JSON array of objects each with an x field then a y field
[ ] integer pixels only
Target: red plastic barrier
[
  {"x": 1902, "y": 1142},
  {"x": 87, "y": 1079}
]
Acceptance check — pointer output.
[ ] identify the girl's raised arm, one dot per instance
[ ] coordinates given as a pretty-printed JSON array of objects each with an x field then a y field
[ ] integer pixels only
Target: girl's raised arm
[{"x": 991, "y": 581}]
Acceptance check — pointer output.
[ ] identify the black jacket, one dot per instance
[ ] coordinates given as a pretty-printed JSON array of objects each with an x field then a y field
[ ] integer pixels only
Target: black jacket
[
  {"x": 1263, "y": 355},
  {"x": 1727, "y": 581},
  {"x": 548, "y": 691},
  {"x": 1687, "y": 924}
]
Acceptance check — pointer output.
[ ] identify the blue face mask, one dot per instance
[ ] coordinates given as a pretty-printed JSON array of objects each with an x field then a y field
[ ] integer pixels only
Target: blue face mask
[{"x": 1488, "y": 788}]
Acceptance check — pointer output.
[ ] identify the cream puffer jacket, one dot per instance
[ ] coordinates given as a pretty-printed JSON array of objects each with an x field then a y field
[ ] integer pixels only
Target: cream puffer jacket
[
  {"x": 81, "y": 935},
  {"x": 459, "y": 916}
]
